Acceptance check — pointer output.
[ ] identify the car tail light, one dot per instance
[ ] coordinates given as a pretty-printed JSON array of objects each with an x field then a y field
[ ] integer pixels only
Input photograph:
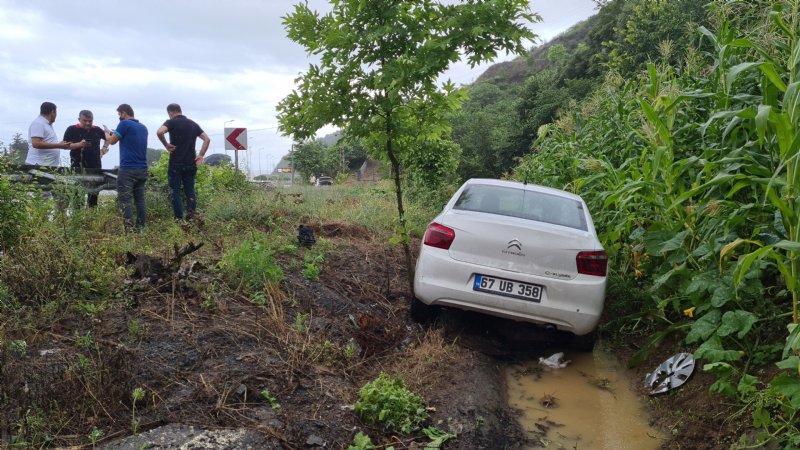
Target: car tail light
[
  {"x": 592, "y": 263},
  {"x": 439, "y": 236}
]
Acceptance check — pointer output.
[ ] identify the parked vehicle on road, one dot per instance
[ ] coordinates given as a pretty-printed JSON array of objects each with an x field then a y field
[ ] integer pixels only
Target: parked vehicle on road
[
  {"x": 324, "y": 181},
  {"x": 518, "y": 251}
]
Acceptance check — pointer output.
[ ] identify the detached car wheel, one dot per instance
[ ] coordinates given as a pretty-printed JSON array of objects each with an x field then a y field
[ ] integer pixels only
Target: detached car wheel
[{"x": 421, "y": 312}]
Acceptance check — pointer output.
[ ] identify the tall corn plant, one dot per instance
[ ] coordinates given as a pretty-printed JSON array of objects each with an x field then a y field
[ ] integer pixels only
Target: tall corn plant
[
  {"x": 777, "y": 123},
  {"x": 772, "y": 118}
]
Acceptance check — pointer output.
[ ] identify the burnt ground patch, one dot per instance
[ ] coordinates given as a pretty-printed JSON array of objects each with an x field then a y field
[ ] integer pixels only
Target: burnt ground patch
[{"x": 205, "y": 354}]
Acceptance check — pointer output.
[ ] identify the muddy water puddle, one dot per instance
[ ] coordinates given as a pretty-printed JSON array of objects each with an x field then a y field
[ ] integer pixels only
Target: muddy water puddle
[{"x": 586, "y": 405}]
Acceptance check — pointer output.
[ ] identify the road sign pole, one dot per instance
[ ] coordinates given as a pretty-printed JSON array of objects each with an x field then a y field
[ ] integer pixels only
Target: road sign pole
[{"x": 236, "y": 139}]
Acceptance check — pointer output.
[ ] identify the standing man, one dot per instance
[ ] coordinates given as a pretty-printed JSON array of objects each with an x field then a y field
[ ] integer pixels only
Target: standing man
[
  {"x": 183, "y": 160},
  {"x": 87, "y": 157},
  {"x": 132, "y": 175},
  {"x": 43, "y": 144}
]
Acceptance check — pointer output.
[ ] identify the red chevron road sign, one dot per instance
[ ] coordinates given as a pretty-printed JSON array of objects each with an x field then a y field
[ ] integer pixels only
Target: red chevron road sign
[{"x": 235, "y": 138}]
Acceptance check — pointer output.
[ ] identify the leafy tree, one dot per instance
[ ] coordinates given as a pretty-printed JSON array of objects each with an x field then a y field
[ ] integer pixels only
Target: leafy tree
[
  {"x": 314, "y": 158},
  {"x": 154, "y": 155},
  {"x": 484, "y": 129},
  {"x": 652, "y": 30},
  {"x": 17, "y": 151},
  {"x": 317, "y": 158},
  {"x": 541, "y": 98},
  {"x": 591, "y": 56},
  {"x": 379, "y": 66}
]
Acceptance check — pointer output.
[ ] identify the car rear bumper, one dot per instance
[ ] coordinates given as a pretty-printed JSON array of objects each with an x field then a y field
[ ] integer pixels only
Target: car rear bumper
[{"x": 571, "y": 305}]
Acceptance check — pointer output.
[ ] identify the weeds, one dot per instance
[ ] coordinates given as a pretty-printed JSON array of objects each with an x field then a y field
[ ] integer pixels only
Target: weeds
[
  {"x": 84, "y": 341},
  {"x": 137, "y": 395},
  {"x": 18, "y": 347},
  {"x": 273, "y": 403},
  {"x": 387, "y": 401},
  {"x": 301, "y": 322},
  {"x": 251, "y": 265},
  {"x": 362, "y": 441},
  {"x": 311, "y": 269},
  {"x": 95, "y": 435},
  {"x": 134, "y": 331}
]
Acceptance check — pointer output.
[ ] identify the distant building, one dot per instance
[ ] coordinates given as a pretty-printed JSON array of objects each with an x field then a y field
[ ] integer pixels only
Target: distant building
[
  {"x": 284, "y": 167},
  {"x": 371, "y": 170}
]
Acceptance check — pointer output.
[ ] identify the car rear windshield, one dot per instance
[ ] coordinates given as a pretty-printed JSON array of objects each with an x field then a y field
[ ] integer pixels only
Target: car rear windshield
[{"x": 525, "y": 204}]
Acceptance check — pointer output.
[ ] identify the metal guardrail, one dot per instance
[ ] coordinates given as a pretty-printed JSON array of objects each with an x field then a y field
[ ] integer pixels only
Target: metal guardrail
[{"x": 44, "y": 178}]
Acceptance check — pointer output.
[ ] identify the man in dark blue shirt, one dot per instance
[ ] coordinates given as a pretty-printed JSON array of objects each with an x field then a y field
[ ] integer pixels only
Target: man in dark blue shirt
[
  {"x": 183, "y": 159},
  {"x": 88, "y": 156},
  {"x": 132, "y": 175}
]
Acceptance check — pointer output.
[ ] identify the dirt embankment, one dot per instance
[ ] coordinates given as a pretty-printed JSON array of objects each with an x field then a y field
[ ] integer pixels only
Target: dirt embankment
[
  {"x": 218, "y": 369},
  {"x": 208, "y": 357}
]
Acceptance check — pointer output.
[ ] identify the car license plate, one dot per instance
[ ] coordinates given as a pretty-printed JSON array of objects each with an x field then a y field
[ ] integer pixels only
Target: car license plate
[{"x": 508, "y": 288}]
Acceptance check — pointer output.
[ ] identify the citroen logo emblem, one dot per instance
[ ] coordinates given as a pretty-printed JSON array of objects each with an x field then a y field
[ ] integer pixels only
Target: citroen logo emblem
[{"x": 514, "y": 243}]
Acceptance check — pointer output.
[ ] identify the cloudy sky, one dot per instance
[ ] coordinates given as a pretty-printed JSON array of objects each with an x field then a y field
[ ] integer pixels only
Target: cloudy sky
[{"x": 221, "y": 61}]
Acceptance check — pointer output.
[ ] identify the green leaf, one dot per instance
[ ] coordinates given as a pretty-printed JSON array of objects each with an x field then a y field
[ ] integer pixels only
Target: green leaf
[
  {"x": 739, "y": 322},
  {"x": 761, "y": 418},
  {"x": 661, "y": 280},
  {"x": 792, "y": 246},
  {"x": 790, "y": 363},
  {"x": 768, "y": 69},
  {"x": 747, "y": 385},
  {"x": 733, "y": 73},
  {"x": 723, "y": 387},
  {"x": 438, "y": 437},
  {"x": 704, "y": 327},
  {"x": 745, "y": 262},
  {"x": 722, "y": 295},
  {"x": 762, "y": 122},
  {"x": 791, "y": 102},
  {"x": 792, "y": 340},
  {"x": 720, "y": 369},
  {"x": 672, "y": 244},
  {"x": 789, "y": 387},
  {"x": 712, "y": 351},
  {"x": 656, "y": 121}
]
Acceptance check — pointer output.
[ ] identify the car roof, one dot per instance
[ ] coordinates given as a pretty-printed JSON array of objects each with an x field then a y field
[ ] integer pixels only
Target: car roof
[{"x": 525, "y": 186}]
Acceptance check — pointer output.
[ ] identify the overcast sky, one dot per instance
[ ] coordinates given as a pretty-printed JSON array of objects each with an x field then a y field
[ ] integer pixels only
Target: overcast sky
[{"x": 220, "y": 61}]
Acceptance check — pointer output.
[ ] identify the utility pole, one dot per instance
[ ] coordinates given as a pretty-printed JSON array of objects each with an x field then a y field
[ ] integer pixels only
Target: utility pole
[{"x": 291, "y": 162}]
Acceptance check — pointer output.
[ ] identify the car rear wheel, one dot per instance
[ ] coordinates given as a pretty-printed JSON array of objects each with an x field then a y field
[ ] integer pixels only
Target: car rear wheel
[
  {"x": 421, "y": 312},
  {"x": 584, "y": 343}
]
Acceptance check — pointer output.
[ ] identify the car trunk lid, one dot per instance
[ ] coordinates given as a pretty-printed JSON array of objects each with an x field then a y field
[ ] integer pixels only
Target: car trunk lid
[{"x": 516, "y": 244}]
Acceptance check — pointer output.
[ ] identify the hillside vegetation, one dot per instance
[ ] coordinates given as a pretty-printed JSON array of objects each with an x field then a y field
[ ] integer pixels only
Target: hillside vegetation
[{"x": 685, "y": 149}]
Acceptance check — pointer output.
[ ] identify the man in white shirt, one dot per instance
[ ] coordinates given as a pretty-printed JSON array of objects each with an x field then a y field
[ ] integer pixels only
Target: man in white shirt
[{"x": 43, "y": 143}]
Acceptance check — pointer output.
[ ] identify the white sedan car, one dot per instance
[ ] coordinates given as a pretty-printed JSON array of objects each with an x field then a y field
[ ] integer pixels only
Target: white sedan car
[{"x": 515, "y": 250}]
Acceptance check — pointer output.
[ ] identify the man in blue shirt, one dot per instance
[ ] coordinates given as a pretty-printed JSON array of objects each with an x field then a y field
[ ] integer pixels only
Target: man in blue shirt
[{"x": 132, "y": 175}]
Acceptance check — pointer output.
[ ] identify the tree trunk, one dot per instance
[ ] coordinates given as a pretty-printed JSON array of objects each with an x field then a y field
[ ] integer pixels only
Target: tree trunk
[{"x": 400, "y": 211}]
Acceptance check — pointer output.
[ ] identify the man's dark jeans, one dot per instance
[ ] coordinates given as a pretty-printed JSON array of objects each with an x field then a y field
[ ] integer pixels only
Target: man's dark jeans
[
  {"x": 130, "y": 185},
  {"x": 182, "y": 175}
]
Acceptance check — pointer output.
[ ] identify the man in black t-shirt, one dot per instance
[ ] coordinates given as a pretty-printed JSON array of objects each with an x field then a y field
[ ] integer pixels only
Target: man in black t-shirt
[
  {"x": 88, "y": 156},
  {"x": 183, "y": 160}
]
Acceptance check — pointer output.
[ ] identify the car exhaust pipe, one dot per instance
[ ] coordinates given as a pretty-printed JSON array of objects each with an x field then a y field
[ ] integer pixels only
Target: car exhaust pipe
[{"x": 550, "y": 328}]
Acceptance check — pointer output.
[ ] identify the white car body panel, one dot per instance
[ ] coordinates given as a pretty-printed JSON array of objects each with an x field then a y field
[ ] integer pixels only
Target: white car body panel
[{"x": 518, "y": 249}]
